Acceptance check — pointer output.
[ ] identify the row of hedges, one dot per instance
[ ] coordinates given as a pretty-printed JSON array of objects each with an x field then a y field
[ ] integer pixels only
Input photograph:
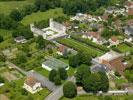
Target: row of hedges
[
  {"x": 79, "y": 47},
  {"x": 90, "y": 43}
]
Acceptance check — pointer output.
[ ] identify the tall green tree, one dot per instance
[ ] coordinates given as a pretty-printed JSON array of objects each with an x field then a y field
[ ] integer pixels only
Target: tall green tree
[
  {"x": 52, "y": 75},
  {"x": 16, "y": 15},
  {"x": 62, "y": 73},
  {"x": 82, "y": 71},
  {"x": 57, "y": 80},
  {"x": 69, "y": 89}
]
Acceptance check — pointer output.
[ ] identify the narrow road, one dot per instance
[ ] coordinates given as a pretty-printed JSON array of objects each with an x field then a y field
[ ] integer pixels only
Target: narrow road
[
  {"x": 58, "y": 93},
  {"x": 15, "y": 67}
]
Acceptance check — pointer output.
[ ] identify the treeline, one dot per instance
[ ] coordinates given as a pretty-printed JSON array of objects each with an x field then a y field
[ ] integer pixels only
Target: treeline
[
  {"x": 7, "y": 23},
  {"x": 12, "y": 0},
  {"x": 90, "y": 43},
  {"x": 71, "y": 7}
]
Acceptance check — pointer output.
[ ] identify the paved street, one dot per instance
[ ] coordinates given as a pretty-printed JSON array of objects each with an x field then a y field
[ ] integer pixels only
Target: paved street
[
  {"x": 44, "y": 81},
  {"x": 58, "y": 93}
]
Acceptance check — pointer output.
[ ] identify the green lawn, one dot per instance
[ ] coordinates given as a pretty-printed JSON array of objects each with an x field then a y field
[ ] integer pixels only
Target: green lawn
[
  {"x": 13, "y": 91},
  {"x": 90, "y": 97},
  {"x": 8, "y": 6},
  {"x": 80, "y": 46},
  {"x": 35, "y": 17},
  {"x": 5, "y": 33},
  {"x": 124, "y": 48}
]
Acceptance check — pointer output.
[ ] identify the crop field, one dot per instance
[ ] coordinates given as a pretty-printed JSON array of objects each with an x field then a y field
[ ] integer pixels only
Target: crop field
[
  {"x": 80, "y": 47},
  {"x": 8, "y": 6}
]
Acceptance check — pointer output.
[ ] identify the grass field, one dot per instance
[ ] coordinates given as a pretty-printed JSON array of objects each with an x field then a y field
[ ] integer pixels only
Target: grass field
[
  {"x": 90, "y": 97},
  {"x": 5, "y": 33},
  {"x": 80, "y": 46},
  {"x": 35, "y": 17},
  {"x": 124, "y": 48},
  {"x": 8, "y": 6}
]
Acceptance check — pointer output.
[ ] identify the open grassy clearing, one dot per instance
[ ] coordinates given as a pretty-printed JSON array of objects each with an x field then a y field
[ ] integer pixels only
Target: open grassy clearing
[
  {"x": 7, "y": 6},
  {"x": 80, "y": 46},
  {"x": 90, "y": 97},
  {"x": 124, "y": 48},
  {"x": 35, "y": 17}
]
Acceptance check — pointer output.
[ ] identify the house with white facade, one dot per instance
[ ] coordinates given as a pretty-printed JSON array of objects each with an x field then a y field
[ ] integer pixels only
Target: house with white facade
[
  {"x": 55, "y": 30},
  {"x": 114, "y": 41},
  {"x": 32, "y": 85}
]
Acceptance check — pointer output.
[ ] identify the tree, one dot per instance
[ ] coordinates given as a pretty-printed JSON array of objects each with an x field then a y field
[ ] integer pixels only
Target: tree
[
  {"x": 82, "y": 71},
  {"x": 1, "y": 80},
  {"x": 52, "y": 75},
  {"x": 16, "y": 15},
  {"x": 1, "y": 39},
  {"x": 41, "y": 43},
  {"x": 24, "y": 92},
  {"x": 96, "y": 82},
  {"x": 21, "y": 58},
  {"x": 74, "y": 60},
  {"x": 2, "y": 58},
  {"x": 57, "y": 80},
  {"x": 69, "y": 89},
  {"x": 62, "y": 73}
]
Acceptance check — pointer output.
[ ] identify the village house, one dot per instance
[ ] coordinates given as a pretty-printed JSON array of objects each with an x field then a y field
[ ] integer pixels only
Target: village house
[
  {"x": 129, "y": 7},
  {"x": 114, "y": 41},
  {"x": 94, "y": 36},
  {"x": 62, "y": 50},
  {"x": 32, "y": 85},
  {"x": 20, "y": 39},
  {"x": 129, "y": 30},
  {"x": 99, "y": 68},
  {"x": 113, "y": 60}
]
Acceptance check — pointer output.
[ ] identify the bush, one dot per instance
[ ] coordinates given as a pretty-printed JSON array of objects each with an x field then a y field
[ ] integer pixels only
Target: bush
[
  {"x": 69, "y": 90},
  {"x": 1, "y": 39}
]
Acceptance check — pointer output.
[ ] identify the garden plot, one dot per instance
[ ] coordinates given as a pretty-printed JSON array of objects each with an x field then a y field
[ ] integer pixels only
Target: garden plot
[{"x": 11, "y": 75}]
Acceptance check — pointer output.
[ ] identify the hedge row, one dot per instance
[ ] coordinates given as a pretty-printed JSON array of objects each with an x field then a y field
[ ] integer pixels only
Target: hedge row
[{"x": 90, "y": 43}]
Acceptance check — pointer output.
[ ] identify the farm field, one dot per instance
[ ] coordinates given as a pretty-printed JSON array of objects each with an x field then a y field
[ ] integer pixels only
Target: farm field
[
  {"x": 8, "y": 6},
  {"x": 38, "y": 16},
  {"x": 80, "y": 47}
]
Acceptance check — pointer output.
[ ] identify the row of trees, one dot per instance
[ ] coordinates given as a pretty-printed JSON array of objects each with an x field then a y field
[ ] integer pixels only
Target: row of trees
[
  {"x": 57, "y": 75},
  {"x": 74, "y": 5},
  {"x": 22, "y": 31},
  {"x": 7, "y": 23}
]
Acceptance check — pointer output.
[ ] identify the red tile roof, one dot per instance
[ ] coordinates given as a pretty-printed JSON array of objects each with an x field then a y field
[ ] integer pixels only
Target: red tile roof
[
  {"x": 62, "y": 48},
  {"x": 31, "y": 81},
  {"x": 130, "y": 11},
  {"x": 114, "y": 38},
  {"x": 94, "y": 34}
]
